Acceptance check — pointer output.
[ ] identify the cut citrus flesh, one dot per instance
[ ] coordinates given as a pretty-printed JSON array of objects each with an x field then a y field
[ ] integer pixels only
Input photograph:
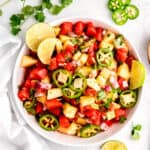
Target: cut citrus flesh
[
  {"x": 113, "y": 145},
  {"x": 46, "y": 49},
  {"x": 37, "y": 33},
  {"x": 138, "y": 74}
]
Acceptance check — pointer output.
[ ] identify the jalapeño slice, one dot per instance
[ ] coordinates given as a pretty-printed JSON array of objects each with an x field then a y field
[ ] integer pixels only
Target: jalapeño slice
[
  {"x": 62, "y": 78},
  {"x": 89, "y": 130},
  {"x": 48, "y": 122},
  {"x": 119, "y": 17},
  {"x": 132, "y": 11}
]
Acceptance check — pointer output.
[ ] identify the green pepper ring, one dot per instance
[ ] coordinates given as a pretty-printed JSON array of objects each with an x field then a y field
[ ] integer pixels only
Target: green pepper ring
[
  {"x": 51, "y": 120},
  {"x": 119, "y": 16},
  {"x": 84, "y": 82},
  {"x": 54, "y": 77},
  {"x": 122, "y": 101},
  {"x": 132, "y": 11},
  {"x": 29, "y": 103},
  {"x": 104, "y": 52},
  {"x": 77, "y": 93},
  {"x": 89, "y": 130},
  {"x": 114, "y": 4}
]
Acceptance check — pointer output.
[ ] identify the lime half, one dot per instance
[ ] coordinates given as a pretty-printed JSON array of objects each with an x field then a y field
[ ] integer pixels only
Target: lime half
[
  {"x": 113, "y": 145},
  {"x": 138, "y": 74}
]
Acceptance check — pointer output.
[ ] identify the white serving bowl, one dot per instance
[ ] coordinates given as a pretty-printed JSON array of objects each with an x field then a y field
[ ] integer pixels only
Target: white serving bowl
[{"x": 57, "y": 137}]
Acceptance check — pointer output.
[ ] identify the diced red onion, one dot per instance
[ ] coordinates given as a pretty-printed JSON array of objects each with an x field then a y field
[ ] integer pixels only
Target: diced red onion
[
  {"x": 108, "y": 88},
  {"x": 125, "y": 84},
  {"x": 39, "y": 94},
  {"x": 80, "y": 114},
  {"x": 114, "y": 82},
  {"x": 104, "y": 126},
  {"x": 45, "y": 86},
  {"x": 85, "y": 49}
]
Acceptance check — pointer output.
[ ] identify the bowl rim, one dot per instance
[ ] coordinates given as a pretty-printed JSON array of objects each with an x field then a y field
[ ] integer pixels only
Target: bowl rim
[{"x": 57, "y": 22}]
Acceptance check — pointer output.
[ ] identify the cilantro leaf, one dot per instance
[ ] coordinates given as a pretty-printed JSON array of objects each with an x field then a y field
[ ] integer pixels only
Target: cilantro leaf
[
  {"x": 66, "y": 2},
  {"x": 16, "y": 19},
  {"x": 122, "y": 119},
  {"x": 55, "y": 9},
  {"x": 15, "y": 30},
  {"x": 138, "y": 127},
  {"x": 46, "y": 4},
  {"x": 27, "y": 10},
  {"x": 39, "y": 16}
]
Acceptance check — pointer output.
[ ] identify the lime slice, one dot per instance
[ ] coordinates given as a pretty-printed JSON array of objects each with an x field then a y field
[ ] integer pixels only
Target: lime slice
[
  {"x": 46, "y": 49},
  {"x": 113, "y": 145},
  {"x": 138, "y": 74},
  {"x": 37, "y": 33}
]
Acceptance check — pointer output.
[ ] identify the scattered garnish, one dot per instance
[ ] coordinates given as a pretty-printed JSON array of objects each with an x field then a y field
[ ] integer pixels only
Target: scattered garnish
[
  {"x": 135, "y": 132},
  {"x": 122, "y": 10},
  {"x": 16, "y": 20}
]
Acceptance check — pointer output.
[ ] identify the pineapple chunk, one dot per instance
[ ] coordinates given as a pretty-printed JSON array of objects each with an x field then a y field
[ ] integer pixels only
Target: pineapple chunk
[
  {"x": 81, "y": 121},
  {"x": 110, "y": 115},
  {"x": 64, "y": 38},
  {"x": 62, "y": 77},
  {"x": 95, "y": 106},
  {"x": 69, "y": 110},
  {"x": 109, "y": 36},
  {"x": 71, "y": 130},
  {"x": 105, "y": 73},
  {"x": 28, "y": 61},
  {"x": 87, "y": 100},
  {"x": 54, "y": 93},
  {"x": 115, "y": 105},
  {"x": 59, "y": 46},
  {"x": 56, "y": 30},
  {"x": 77, "y": 56},
  {"x": 92, "y": 83},
  {"x": 83, "y": 59},
  {"x": 101, "y": 81},
  {"x": 105, "y": 44},
  {"x": 41, "y": 99},
  {"x": 78, "y": 83},
  {"x": 46, "y": 80},
  {"x": 123, "y": 71},
  {"x": 113, "y": 65},
  {"x": 66, "y": 43},
  {"x": 84, "y": 70}
]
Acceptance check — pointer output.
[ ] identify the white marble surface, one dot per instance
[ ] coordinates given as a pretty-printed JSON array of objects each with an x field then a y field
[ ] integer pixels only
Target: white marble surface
[{"x": 137, "y": 31}]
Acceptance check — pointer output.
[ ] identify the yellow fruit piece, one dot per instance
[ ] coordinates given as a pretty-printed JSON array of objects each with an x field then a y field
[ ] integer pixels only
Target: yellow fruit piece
[
  {"x": 138, "y": 74},
  {"x": 42, "y": 99},
  {"x": 113, "y": 145},
  {"x": 27, "y": 61},
  {"x": 46, "y": 80},
  {"x": 123, "y": 71},
  {"x": 37, "y": 33},
  {"x": 46, "y": 49}
]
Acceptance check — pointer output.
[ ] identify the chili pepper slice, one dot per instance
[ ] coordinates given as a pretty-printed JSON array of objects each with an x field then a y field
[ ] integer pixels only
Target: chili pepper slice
[
  {"x": 132, "y": 11},
  {"x": 79, "y": 82},
  {"x": 62, "y": 78},
  {"x": 128, "y": 98},
  {"x": 89, "y": 130},
  {"x": 119, "y": 16},
  {"x": 114, "y": 4},
  {"x": 70, "y": 93},
  {"x": 48, "y": 122},
  {"x": 31, "y": 111},
  {"x": 29, "y": 103},
  {"x": 104, "y": 57},
  {"x": 126, "y": 2}
]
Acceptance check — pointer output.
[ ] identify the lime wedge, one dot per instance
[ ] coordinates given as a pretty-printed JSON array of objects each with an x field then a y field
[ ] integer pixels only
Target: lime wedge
[
  {"x": 37, "y": 33},
  {"x": 113, "y": 145},
  {"x": 138, "y": 74}
]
